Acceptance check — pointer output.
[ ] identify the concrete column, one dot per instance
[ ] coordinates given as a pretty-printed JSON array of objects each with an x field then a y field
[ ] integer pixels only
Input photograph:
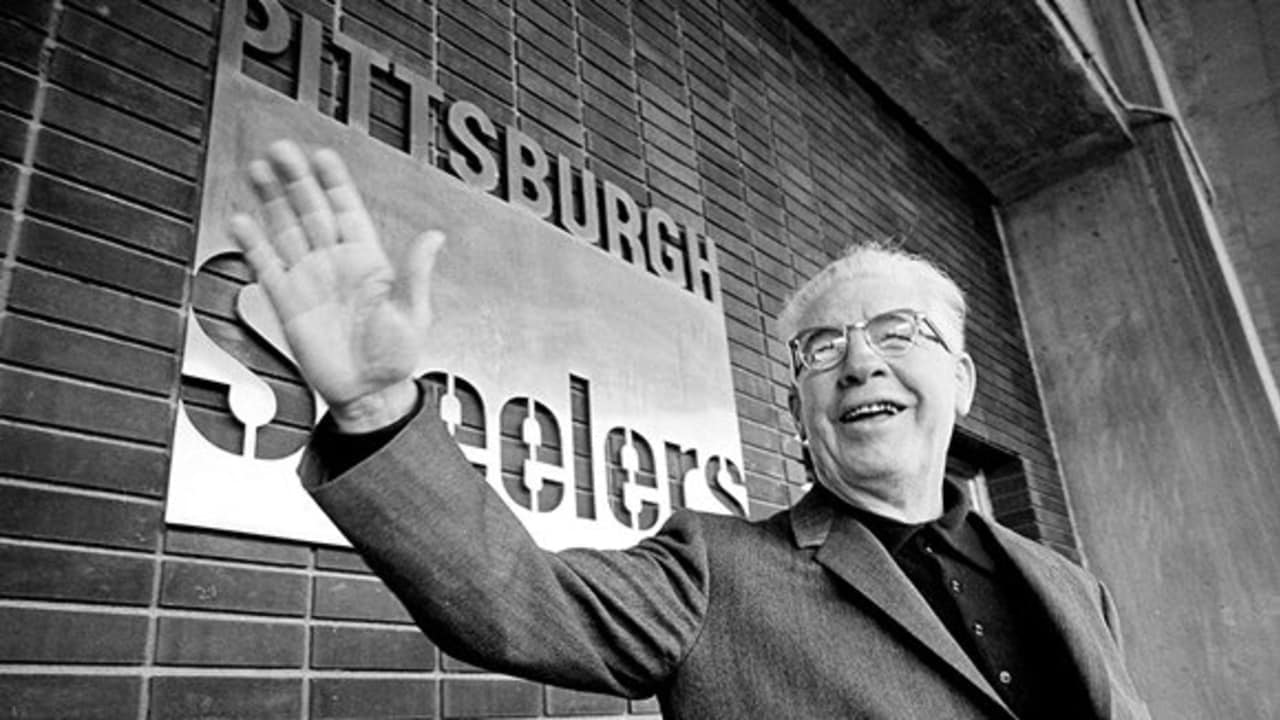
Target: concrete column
[{"x": 1168, "y": 443}]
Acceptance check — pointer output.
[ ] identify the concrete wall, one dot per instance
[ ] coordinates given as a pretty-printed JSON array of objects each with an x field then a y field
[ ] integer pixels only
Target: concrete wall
[
  {"x": 1167, "y": 441},
  {"x": 1223, "y": 62},
  {"x": 726, "y": 112}
]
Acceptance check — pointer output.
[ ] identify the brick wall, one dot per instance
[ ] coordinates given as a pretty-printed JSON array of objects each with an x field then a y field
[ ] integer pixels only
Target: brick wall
[{"x": 728, "y": 113}]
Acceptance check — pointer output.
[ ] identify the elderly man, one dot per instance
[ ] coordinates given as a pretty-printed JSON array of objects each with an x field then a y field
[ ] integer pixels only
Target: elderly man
[{"x": 879, "y": 595}]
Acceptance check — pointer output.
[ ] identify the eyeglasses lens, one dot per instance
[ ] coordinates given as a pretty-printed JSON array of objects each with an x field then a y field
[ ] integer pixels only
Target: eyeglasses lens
[{"x": 891, "y": 334}]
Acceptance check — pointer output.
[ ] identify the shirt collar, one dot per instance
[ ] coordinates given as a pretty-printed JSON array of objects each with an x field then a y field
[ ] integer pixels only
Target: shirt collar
[
  {"x": 957, "y": 528},
  {"x": 811, "y": 520}
]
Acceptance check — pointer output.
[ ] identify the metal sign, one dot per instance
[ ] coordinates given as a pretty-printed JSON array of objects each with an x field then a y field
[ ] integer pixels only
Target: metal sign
[{"x": 587, "y": 327}]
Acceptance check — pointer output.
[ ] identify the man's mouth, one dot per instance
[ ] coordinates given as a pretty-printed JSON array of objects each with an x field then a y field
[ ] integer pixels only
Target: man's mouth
[{"x": 866, "y": 411}]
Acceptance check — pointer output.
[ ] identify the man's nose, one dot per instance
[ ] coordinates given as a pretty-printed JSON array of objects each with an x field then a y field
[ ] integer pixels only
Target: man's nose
[{"x": 861, "y": 361}]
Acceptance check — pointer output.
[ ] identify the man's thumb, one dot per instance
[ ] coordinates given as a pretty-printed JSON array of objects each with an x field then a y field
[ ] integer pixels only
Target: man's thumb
[{"x": 420, "y": 259}]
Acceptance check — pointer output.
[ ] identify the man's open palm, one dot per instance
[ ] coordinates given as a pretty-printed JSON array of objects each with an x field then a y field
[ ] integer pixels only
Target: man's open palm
[{"x": 354, "y": 321}]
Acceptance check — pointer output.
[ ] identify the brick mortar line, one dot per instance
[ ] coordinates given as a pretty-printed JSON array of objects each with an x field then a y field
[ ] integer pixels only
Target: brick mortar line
[
  {"x": 52, "y": 429},
  {"x": 83, "y": 382},
  {"x": 92, "y": 331},
  {"x": 7, "y": 541},
  {"x": 21, "y": 191},
  {"x": 9, "y": 481},
  {"x": 76, "y": 182}
]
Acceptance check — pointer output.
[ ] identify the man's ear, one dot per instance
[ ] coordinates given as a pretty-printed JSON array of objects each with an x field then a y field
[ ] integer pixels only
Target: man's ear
[
  {"x": 793, "y": 402},
  {"x": 966, "y": 383}
]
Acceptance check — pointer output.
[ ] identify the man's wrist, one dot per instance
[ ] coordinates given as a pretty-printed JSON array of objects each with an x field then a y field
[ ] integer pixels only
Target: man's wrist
[{"x": 376, "y": 410}]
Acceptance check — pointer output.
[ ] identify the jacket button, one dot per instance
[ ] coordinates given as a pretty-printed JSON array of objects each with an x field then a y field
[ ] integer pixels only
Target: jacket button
[
  {"x": 1005, "y": 677},
  {"x": 955, "y": 585},
  {"x": 978, "y": 629}
]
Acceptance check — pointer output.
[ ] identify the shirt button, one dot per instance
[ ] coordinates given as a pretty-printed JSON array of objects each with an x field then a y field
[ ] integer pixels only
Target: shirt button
[
  {"x": 955, "y": 585},
  {"x": 1005, "y": 677},
  {"x": 928, "y": 547},
  {"x": 978, "y": 629}
]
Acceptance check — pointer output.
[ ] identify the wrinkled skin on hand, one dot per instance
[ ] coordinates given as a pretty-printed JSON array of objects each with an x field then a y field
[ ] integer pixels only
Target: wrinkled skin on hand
[{"x": 354, "y": 321}]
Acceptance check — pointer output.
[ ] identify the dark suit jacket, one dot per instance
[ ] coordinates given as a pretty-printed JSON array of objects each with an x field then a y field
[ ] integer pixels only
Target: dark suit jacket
[{"x": 803, "y": 615}]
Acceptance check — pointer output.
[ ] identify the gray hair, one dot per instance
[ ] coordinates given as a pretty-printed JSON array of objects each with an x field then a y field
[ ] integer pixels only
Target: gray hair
[{"x": 870, "y": 257}]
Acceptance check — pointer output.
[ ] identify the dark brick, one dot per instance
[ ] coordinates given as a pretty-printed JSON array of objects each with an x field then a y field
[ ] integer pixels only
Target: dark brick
[
  {"x": 211, "y": 698},
  {"x": 79, "y": 303},
  {"x": 572, "y": 702},
  {"x": 204, "y": 543},
  {"x": 362, "y": 648},
  {"x": 607, "y": 156},
  {"x": 78, "y": 254},
  {"x": 195, "y": 12},
  {"x": 464, "y": 39},
  {"x": 372, "y": 698},
  {"x": 477, "y": 12},
  {"x": 105, "y": 215},
  {"x": 499, "y": 108},
  {"x": 548, "y": 89},
  {"x": 228, "y": 643},
  {"x": 490, "y": 698},
  {"x": 13, "y": 136},
  {"x": 563, "y": 123},
  {"x": 121, "y": 132},
  {"x": 158, "y": 28},
  {"x": 356, "y": 598},
  {"x": 50, "y": 514},
  {"x": 451, "y": 664},
  {"x": 209, "y": 586},
  {"x": 53, "y": 574},
  {"x": 55, "y": 636},
  {"x": 8, "y": 183},
  {"x": 21, "y": 44},
  {"x": 553, "y": 16},
  {"x": 127, "y": 92},
  {"x": 622, "y": 130},
  {"x": 24, "y": 395},
  {"x": 606, "y": 57},
  {"x": 336, "y": 559},
  {"x": 80, "y": 460},
  {"x": 414, "y": 11},
  {"x": 548, "y": 55},
  {"x": 648, "y": 706},
  {"x": 131, "y": 53},
  {"x": 416, "y": 52},
  {"x": 52, "y": 347},
  {"x": 115, "y": 173},
  {"x": 495, "y": 81},
  {"x": 606, "y": 16},
  {"x": 247, "y": 347},
  {"x": 63, "y": 697},
  {"x": 17, "y": 91},
  {"x": 615, "y": 98}
]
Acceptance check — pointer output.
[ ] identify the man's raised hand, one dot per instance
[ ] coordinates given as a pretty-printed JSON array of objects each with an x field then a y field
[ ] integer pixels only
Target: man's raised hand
[{"x": 354, "y": 321}]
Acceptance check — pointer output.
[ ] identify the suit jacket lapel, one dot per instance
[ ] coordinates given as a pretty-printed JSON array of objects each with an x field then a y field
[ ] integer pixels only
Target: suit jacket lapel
[
  {"x": 1070, "y": 610},
  {"x": 853, "y": 554}
]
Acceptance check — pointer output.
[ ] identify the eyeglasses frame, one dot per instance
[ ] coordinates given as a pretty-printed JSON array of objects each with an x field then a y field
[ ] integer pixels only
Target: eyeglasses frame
[{"x": 797, "y": 365}]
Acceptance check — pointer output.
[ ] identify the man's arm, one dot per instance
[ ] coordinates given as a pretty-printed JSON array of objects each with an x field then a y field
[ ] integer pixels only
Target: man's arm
[
  {"x": 448, "y": 546},
  {"x": 435, "y": 532}
]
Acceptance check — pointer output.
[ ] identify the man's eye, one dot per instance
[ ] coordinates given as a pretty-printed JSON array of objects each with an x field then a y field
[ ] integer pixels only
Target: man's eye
[
  {"x": 894, "y": 330},
  {"x": 824, "y": 344}
]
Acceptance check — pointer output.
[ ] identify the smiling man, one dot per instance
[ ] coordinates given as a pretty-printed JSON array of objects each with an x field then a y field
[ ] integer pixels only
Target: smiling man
[
  {"x": 879, "y": 595},
  {"x": 877, "y": 385}
]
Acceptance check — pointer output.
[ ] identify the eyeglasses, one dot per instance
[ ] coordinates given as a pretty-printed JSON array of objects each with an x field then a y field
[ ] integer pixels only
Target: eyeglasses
[{"x": 889, "y": 334}]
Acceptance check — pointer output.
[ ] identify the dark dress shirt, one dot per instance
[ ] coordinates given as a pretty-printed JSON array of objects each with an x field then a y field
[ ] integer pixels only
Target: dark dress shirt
[{"x": 987, "y": 607}]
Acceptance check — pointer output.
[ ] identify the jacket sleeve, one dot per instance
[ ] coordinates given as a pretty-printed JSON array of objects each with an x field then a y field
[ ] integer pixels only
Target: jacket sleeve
[{"x": 475, "y": 582}]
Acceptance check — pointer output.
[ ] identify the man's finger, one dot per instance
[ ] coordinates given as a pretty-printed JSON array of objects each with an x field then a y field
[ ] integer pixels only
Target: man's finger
[
  {"x": 258, "y": 252},
  {"x": 282, "y": 224},
  {"x": 353, "y": 220},
  {"x": 303, "y": 194},
  {"x": 420, "y": 261}
]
